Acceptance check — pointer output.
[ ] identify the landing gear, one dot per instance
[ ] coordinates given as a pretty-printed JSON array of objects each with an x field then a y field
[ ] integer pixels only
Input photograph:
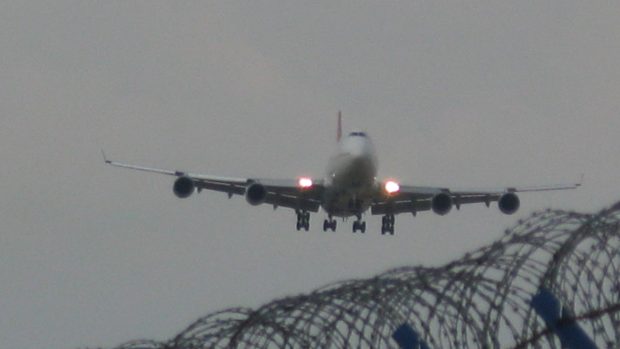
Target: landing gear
[
  {"x": 359, "y": 225},
  {"x": 329, "y": 224},
  {"x": 303, "y": 220},
  {"x": 387, "y": 225}
]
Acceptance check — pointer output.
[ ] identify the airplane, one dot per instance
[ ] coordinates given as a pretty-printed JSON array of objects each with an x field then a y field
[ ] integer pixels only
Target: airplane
[{"x": 349, "y": 189}]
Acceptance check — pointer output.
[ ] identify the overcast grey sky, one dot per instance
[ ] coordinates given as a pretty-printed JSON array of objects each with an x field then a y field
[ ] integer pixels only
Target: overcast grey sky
[{"x": 462, "y": 94}]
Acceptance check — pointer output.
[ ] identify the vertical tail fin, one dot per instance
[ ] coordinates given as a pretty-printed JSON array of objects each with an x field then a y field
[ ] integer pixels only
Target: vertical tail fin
[{"x": 339, "y": 130}]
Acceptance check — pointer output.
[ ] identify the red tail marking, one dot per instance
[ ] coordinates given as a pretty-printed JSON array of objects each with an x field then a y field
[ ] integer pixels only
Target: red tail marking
[{"x": 339, "y": 130}]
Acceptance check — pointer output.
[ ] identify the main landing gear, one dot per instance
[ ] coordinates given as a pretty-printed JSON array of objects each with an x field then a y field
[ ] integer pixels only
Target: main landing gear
[
  {"x": 329, "y": 224},
  {"x": 359, "y": 225},
  {"x": 303, "y": 220},
  {"x": 387, "y": 226}
]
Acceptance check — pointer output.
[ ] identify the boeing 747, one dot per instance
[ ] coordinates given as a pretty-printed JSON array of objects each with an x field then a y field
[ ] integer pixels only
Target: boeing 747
[{"x": 349, "y": 189}]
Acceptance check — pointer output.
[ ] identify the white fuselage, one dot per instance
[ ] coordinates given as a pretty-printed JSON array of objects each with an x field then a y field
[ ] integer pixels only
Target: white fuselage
[{"x": 351, "y": 177}]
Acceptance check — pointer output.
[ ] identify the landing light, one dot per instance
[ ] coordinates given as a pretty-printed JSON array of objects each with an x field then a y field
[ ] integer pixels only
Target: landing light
[
  {"x": 305, "y": 182},
  {"x": 391, "y": 187}
]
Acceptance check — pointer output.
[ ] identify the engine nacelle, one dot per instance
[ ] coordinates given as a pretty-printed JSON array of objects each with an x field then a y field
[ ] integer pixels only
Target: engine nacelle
[
  {"x": 183, "y": 187},
  {"x": 441, "y": 203},
  {"x": 255, "y": 194},
  {"x": 508, "y": 203}
]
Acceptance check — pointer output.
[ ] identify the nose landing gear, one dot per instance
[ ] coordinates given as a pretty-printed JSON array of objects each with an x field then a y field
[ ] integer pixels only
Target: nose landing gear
[
  {"x": 329, "y": 224},
  {"x": 303, "y": 220},
  {"x": 359, "y": 225},
  {"x": 387, "y": 226}
]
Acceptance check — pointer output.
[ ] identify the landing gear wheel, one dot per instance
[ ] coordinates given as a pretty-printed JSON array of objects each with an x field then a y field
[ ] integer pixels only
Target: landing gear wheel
[
  {"x": 329, "y": 224},
  {"x": 359, "y": 225},
  {"x": 387, "y": 224},
  {"x": 303, "y": 220}
]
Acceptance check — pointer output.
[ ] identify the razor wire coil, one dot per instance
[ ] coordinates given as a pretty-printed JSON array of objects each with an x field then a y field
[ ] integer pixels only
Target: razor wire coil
[{"x": 479, "y": 301}]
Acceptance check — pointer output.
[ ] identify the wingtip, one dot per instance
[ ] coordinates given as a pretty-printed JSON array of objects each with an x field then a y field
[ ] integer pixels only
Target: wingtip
[
  {"x": 581, "y": 180},
  {"x": 105, "y": 158}
]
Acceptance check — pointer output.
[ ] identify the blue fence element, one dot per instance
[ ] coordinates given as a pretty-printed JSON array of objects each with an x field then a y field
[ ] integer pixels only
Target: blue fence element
[
  {"x": 408, "y": 338},
  {"x": 560, "y": 321}
]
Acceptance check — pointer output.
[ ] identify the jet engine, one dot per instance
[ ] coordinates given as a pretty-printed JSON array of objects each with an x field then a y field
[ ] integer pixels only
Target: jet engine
[
  {"x": 508, "y": 203},
  {"x": 255, "y": 194},
  {"x": 183, "y": 187},
  {"x": 441, "y": 203}
]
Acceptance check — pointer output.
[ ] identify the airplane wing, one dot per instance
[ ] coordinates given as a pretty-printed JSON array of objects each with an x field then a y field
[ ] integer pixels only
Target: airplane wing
[
  {"x": 413, "y": 199},
  {"x": 298, "y": 194}
]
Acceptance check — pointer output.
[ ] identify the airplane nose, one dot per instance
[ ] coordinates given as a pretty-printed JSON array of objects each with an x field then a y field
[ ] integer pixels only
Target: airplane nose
[
  {"x": 357, "y": 148},
  {"x": 357, "y": 153}
]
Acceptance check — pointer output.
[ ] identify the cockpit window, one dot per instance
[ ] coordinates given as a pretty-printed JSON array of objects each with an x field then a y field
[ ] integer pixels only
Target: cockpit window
[{"x": 359, "y": 134}]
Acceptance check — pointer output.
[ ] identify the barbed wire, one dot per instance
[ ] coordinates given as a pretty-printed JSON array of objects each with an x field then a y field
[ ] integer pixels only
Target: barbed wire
[{"x": 482, "y": 300}]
